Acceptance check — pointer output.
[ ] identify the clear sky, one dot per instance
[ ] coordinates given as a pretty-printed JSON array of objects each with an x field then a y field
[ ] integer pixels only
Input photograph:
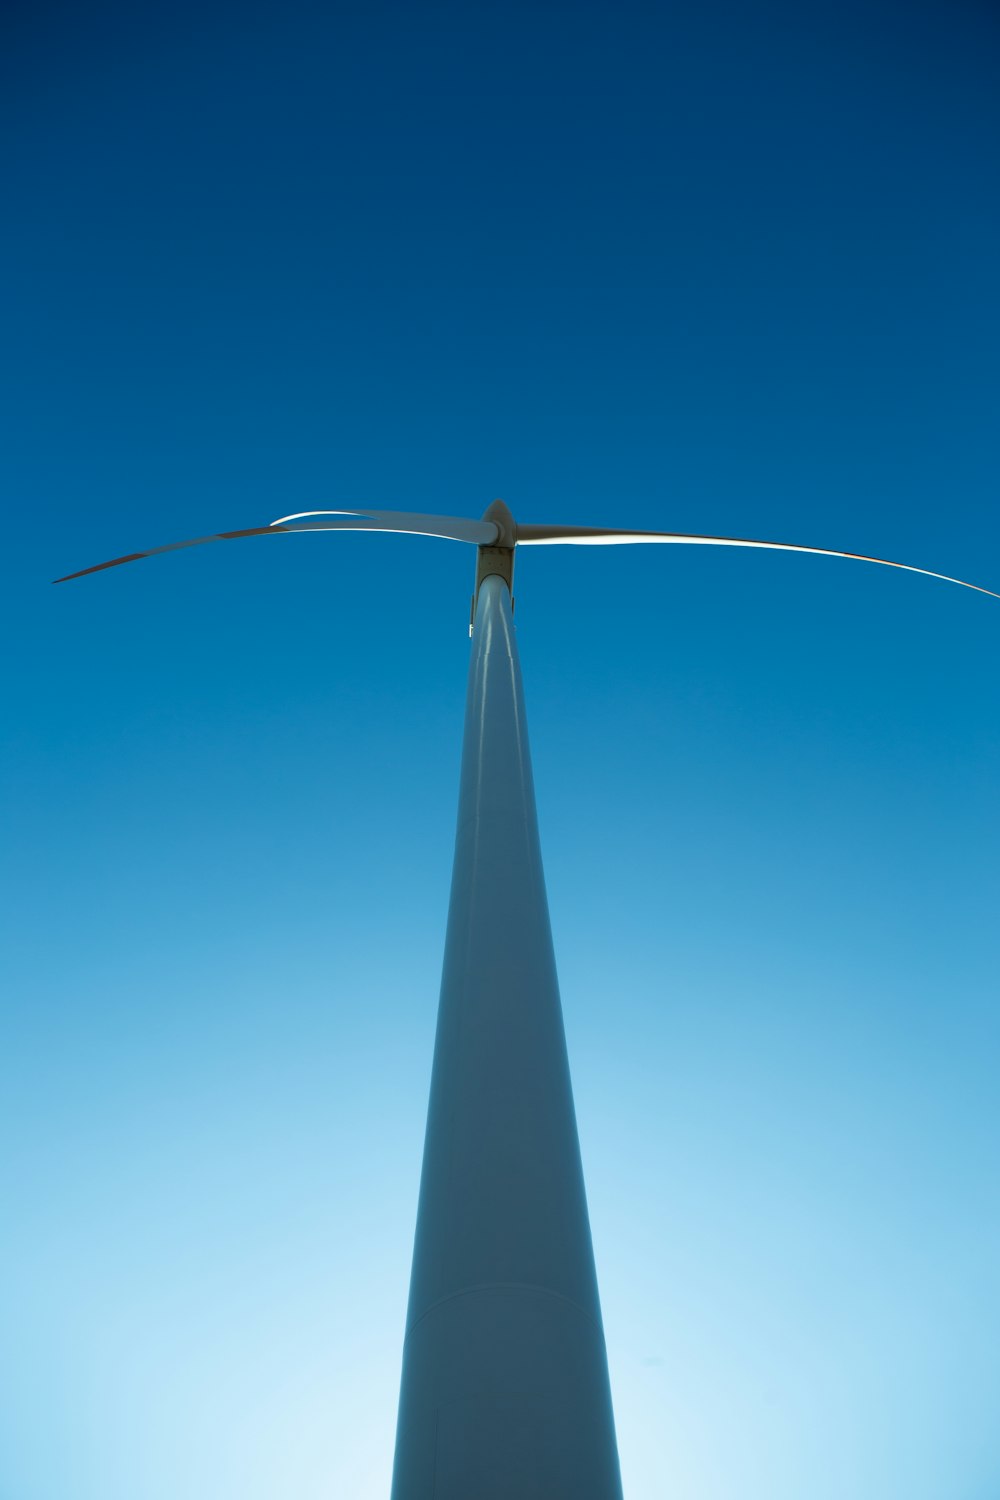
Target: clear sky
[{"x": 711, "y": 267}]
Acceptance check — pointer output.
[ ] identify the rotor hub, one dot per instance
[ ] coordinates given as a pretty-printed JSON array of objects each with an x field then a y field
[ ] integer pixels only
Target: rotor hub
[{"x": 496, "y": 557}]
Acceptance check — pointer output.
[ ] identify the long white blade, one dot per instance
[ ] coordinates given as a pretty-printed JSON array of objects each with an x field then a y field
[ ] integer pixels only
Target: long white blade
[
  {"x": 454, "y": 528},
  {"x": 543, "y": 536}
]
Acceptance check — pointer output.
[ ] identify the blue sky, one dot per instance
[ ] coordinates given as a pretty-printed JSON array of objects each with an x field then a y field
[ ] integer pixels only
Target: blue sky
[{"x": 709, "y": 268}]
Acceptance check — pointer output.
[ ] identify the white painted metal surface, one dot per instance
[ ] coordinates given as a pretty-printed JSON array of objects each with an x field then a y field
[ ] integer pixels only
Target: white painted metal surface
[{"x": 505, "y": 1392}]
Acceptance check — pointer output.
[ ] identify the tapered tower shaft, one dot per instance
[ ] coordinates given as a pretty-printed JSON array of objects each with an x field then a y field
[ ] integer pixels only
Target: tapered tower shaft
[{"x": 505, "y": 1392}]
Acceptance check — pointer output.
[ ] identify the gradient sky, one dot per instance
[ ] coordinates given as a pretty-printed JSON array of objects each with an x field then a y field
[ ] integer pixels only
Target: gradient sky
[{"x": 710, "y": 267}]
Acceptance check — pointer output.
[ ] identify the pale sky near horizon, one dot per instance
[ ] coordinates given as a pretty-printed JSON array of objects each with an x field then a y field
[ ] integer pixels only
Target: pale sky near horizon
[{"x": 711, "y": 268}]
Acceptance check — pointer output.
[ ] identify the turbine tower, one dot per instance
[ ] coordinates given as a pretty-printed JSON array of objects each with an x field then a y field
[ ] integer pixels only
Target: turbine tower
[{"x": 504, "y": 1392}]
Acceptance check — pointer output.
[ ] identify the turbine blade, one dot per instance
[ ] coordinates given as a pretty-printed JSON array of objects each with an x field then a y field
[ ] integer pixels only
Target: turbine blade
[
  {"x": 540, "y": 536},
  {"x": 197, "y": 541},
  {"x": 450, "y": 527}
]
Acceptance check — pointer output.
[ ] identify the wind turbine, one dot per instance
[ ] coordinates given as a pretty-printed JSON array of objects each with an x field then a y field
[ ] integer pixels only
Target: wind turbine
[{"x": 504, "y": 1392}]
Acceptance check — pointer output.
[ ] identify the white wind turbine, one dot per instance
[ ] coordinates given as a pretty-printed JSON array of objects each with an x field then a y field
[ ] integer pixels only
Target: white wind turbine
[{"x": 504, "y": 1392}]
